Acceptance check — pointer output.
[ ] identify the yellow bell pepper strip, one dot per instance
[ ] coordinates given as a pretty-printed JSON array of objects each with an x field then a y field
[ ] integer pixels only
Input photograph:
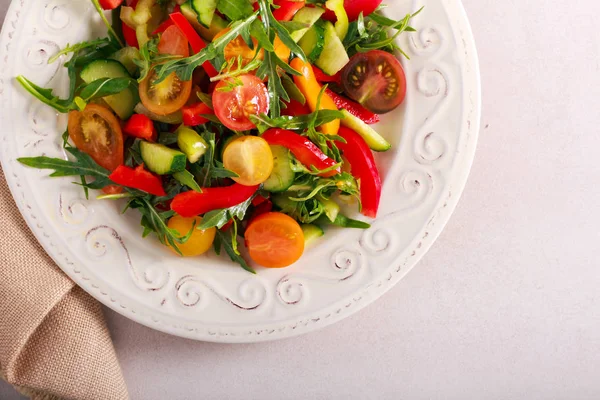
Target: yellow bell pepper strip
[
  {"x": 342, "y": 24},
  {"x": 310, "y": 88}
]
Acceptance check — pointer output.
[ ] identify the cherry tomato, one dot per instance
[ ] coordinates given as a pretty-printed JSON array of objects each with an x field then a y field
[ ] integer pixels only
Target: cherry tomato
[
  {"x": 199, "y": 242},
  {"x": 97, "y": 132},
  {"x": 235, "y": 99},
  {"x": 376, "y": 80},
  {"x": 251, "y": 158},
  {"x": 172, "y": 93},
  {"x": 238, "y": 47},
  {"x": 173, "y": 42},
  {"x": 274, "y": 240}
]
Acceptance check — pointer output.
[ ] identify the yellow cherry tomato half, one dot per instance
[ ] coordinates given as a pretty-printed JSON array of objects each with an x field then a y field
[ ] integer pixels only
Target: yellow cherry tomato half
[
  {"x": 251, "y": 158},
  {"x": 199, "y": 242}
]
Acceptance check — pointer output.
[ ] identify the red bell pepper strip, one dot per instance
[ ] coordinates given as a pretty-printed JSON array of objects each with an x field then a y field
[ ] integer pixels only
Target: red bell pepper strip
[
  {"x": 353, "y": 108},
  {"x": 110, "y": 4},
  {"x": 195, "y": 40},
  {"x": 192, "y": 115},
  {"x": 364, "y": 169},
  {"x": 140, "y": 126},
  {"x": 323, "y": 77},
  {"x": 192, "y": 203},
  {"x": 302, "y": 148},
  {"x": 295, "y": 108},
  {"x": 128, "y": 32},
  {"x": 138, "y": 178},
  {"x": 286, "y": 9}
]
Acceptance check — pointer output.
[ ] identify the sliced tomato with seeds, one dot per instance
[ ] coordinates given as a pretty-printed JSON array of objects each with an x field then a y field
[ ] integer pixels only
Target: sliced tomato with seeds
[
  {"x": 235, "y": 99},
  {"x": 376, "y": 80},
  {"x": 172, "y": 93},
  {"x": 97, "y": 132}
]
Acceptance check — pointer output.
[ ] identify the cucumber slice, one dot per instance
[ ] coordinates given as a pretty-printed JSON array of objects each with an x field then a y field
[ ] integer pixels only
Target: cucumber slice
[
  {"x": 122, "y": 103},
  {"x": 191, "y": 143},
  {"x": 282, "y": 176},
  {"x": 205, "y": 10},
  {"x": 126, "y": 56},
  {"x": 217, "y": 24},
  {"x": 312, "y": 42},
  {"x": 283, "y": 202},
  {"x": 162, "y": 160},
  {"x": 311, "y": 233},
  {"x": 308, "y": 16},
  {"x": 334, "y": 56},
  {"x": 375, "y": 141}
]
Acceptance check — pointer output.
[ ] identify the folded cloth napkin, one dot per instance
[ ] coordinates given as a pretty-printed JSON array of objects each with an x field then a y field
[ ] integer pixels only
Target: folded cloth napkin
[{"x": 54, "y": 343}]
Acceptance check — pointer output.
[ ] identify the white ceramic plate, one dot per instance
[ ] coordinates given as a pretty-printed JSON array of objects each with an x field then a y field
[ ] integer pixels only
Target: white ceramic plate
[{"x": 434, "y": 136}]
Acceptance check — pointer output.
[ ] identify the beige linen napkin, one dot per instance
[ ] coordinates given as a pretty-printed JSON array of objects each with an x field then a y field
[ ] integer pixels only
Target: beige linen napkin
[{"x": 54, "y": 343}]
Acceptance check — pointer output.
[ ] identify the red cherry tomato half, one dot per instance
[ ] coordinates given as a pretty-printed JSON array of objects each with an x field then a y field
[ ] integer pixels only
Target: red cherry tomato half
[
  {"x": 376, "y": 80},
  {"x": 235, "y": 99}
]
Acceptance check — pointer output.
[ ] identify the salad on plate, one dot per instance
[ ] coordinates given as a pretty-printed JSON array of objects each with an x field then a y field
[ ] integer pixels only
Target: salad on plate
[{"x": 223, "y": 120}]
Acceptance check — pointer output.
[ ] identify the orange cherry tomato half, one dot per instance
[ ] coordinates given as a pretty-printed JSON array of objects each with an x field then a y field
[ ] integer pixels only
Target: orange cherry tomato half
[
  {"x": 97, "y": 132},
  {"x": 172, "y": 93},
  {"x": 235, "y": 99},
  {"x": 238, "y": 47},
  {"x": 274, "y": 240}
]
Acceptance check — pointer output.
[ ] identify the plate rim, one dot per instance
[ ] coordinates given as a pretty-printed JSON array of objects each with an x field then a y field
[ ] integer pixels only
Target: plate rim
[{"x": 366, "y": 296}]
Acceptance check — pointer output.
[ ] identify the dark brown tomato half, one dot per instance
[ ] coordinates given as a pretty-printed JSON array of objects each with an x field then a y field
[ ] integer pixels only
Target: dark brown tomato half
[
  {"x": 376, "y": 80},
  {"x": 97, "y": 132}
]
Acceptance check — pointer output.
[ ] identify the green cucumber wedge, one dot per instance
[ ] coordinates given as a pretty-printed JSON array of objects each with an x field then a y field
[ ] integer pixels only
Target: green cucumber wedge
[
  {"x": 126, "y": 56},
  {"x": 282, "y": 176},
  {"x": 162, "y": 160},
  {"x": 312, "y": 42},
  {"x": 375, "y": 141},
  {"x": 217, "y": 24},
  {"x": 308, "y": 16},
  {"x": 311, "y": 233},
  {"x": 122, "y": 103},
  {"x": 334, "y": 56},
  {"x": 205, "y": 9}
]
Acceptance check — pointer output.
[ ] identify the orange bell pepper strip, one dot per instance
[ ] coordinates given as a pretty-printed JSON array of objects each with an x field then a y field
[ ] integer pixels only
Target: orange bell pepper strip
[{"x": 310, "y": 88}]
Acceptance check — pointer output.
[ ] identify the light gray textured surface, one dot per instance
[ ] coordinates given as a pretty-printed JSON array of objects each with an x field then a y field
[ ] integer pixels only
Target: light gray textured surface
[{"x": 506, "y": 303}]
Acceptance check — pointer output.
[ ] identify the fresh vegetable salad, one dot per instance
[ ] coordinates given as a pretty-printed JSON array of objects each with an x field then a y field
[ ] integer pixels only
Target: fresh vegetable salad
[{"x": 223, "y": 120}]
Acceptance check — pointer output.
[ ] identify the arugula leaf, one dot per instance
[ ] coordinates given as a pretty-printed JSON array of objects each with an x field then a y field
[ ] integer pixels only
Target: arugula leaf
[
  {"x": 300, "y": 122},
  {"x": 235, "y": 9},
  {"x": 79, "y": 47},
  {"x": 219, "y": 218},
  {"x": 369, "y": 33},
  {"x": 186, "y": 178},
  {"x": 227, "y": 242},
  {"x": 104, "y": 87},
  {"x": 155, "y": 221},
  {"x": 184, "y": 67},
  {"x": 83, "y": 165},
  {"x": 46, "y": 96}
]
